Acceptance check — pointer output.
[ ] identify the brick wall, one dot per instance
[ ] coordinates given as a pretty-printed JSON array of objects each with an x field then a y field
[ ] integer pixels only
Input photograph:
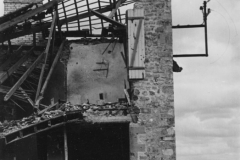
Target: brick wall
[
  {"x": 153, "y": 138},
  {"x": 12, "y": 5}
]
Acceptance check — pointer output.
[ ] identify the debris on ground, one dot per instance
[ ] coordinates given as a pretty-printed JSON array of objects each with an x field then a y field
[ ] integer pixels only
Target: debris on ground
[{"x": 87, "y": 110}]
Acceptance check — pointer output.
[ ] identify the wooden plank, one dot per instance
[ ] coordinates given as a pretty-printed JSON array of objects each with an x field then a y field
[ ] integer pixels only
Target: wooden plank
[
  {"x": 137, "y": 39},
  {"x": 119, "y": 2},
  {"x": 23, "y": 78},
  {"x": 136, "y": 43},
  {"x": 46, "y": 55},
  {"x": 10, "y": 71},
  {"x": 99, "y": 15},
  {"x": 27, "y": 15},
  {"x": 48, "y": 24}
]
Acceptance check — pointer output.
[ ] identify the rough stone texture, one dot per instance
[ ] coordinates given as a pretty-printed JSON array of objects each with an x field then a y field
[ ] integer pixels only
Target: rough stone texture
[
  {"x": 154, "y": 95},
  {"x": 12, "y": 5}
]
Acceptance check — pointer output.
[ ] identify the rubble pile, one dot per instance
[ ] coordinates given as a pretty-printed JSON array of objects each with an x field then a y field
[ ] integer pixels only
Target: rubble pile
[{"x": 107, "y": 110}]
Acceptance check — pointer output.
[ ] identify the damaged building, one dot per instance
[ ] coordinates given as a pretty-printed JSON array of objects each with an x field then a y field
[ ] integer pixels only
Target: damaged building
[{"x": 87, "y": 79}]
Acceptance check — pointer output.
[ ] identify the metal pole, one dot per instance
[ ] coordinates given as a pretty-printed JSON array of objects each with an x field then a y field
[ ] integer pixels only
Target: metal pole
[{"x": 205, "y": 22}]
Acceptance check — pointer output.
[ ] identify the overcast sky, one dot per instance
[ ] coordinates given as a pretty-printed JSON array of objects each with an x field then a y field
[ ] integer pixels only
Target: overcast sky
[{"x": 207, "y": 91}]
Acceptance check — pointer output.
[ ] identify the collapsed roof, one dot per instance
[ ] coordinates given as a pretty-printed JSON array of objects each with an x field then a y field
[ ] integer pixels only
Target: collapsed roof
[{"x": 75, "y": 18}]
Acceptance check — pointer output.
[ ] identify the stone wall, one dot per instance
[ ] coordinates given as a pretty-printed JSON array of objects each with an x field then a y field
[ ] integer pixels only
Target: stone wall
[
  {"x": 12, "y": 5},
  {"x": 153, "y": 138}
]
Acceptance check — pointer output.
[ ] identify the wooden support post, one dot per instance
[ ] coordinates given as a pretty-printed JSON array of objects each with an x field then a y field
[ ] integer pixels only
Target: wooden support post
[
  {"x": 22, "y": 79},
  {"x": 99, "y": 15},
  {"x": 65, "y": 143},
  {"x": 46, "y": 56}
]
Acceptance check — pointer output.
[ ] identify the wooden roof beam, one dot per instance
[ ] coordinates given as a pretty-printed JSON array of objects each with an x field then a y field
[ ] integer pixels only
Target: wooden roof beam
[
  {"x": 47, "y": 25},
  {"x": 27, "y": 15}
]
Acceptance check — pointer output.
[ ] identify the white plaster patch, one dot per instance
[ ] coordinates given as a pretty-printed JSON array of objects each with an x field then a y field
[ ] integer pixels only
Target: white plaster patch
[
  {"x": 141, "y": 138},
  {"x": 167, "y": 152}
]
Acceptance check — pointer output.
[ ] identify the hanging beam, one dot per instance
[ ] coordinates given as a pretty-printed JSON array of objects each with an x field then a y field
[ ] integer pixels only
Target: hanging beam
[
  {"x": 48, "y": 24},
  {"x": 23, "y": 78},
  {"x": 46, "y": 55},
  {"x": 118, "y": 4},
  {"x": 101, "y": 16},
  {"x": 27, "y": 15},
  {"x": 10, "y": 71}
]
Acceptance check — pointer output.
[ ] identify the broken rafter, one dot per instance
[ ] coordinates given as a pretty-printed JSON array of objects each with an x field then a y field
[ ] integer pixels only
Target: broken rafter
[
  {"x": 99, "y": 15},
  {"x": 118, "y": 4},
  {"x": 23, "y": 78},
  {"x": 46, "y": 55},
  {"x": 10, "y": 71},
  {"x": 27, "y": 15}
]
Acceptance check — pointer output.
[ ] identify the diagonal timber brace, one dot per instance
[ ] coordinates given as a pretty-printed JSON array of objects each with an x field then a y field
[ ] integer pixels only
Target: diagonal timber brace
[
  {"x": 99, "y": 15},
  {"x": 23, "y": 78},
  {"x": 49, "y": 74},
  {"x": 46, "y": 55}
]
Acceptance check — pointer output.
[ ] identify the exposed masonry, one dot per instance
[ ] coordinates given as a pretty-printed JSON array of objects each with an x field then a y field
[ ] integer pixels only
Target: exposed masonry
[
  {"x": 12, "y": 5},
  {"x": 154, "y": 137}
]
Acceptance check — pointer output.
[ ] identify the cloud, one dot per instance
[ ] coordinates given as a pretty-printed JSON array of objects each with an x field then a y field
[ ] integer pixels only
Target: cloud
[{"x": 207, "y": 103}]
